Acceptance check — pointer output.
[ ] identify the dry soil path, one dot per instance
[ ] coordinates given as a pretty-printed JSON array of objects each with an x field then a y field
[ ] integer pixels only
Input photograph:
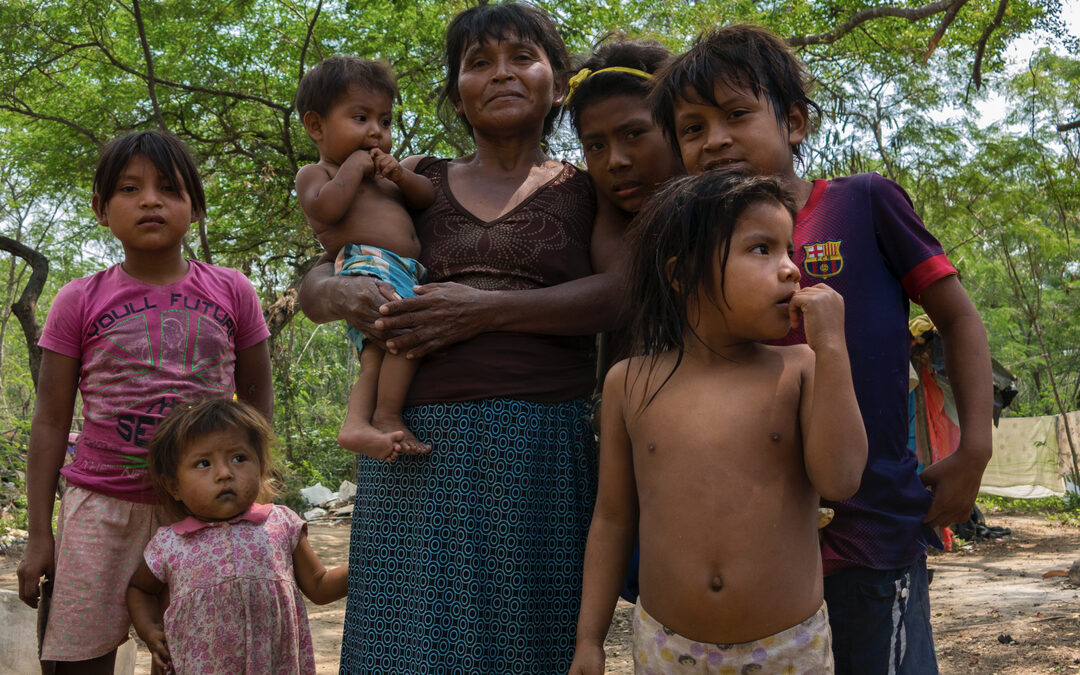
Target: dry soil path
[{"x": 992, "y": 610}]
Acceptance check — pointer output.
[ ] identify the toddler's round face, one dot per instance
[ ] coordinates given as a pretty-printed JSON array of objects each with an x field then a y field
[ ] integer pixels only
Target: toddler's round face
[
  {"x": 219, "y": 475},
  {"x": 361, "y": 119},
  {"x": 753, "y": 301}
]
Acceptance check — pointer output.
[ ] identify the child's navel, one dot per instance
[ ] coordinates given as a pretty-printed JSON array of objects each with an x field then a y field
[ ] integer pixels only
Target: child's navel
[
  {"x": 775, "y": 437},
  {"x": 717, "y": 584},
  {"x": 652, "y": 447}
]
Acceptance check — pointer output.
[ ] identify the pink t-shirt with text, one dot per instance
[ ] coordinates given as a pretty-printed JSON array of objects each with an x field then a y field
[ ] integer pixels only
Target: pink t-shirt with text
[{"x": 142, "y": 349}]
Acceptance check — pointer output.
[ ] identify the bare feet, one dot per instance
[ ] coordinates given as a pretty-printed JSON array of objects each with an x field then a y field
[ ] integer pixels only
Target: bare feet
[
  {"x": 367, "y": 440},
  {"x": 408, "y": 444}
]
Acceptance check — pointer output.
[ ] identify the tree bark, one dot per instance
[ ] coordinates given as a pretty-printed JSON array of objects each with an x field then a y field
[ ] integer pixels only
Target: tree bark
[{"x": 25, "y": 308}]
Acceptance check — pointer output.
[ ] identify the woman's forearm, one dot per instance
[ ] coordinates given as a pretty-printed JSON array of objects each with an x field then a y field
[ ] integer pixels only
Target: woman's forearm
[{"x": 580, "y": 307}]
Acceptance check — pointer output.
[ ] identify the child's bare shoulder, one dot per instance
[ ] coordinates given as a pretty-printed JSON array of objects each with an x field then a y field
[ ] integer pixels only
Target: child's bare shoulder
[
  {"x": 311, "y": 172},
  {"x": 794, "y": 354},
  {"x": 635, "y": 378}
]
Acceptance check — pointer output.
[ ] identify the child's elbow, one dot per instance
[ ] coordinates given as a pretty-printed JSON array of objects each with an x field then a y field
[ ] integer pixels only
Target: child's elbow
[
  {"x": 841, "y": 489},
  {"x": 843, "y": 482}
]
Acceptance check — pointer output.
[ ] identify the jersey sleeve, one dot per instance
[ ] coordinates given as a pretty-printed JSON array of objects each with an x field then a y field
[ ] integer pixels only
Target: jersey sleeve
[
  {"x": 156, "y": 556},
  {"x": 63, "y": 325},
  {"x": 913, "y": 254},
  {"x": 250, "y": 325}
]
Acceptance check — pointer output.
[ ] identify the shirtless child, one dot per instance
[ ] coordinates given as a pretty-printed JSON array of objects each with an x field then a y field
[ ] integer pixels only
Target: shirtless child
[
  {"x": 715, "y": 448},
  {"x": 355, "y": 200}
]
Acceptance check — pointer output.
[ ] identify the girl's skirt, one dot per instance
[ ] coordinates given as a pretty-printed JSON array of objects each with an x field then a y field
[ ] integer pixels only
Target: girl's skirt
[{"x": 469, "y": 559}]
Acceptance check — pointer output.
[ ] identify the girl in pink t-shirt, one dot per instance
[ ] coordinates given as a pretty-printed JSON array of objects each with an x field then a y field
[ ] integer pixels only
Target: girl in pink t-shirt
[
  {"x": 133, "y": 340},
  {"x": 234, "y": 568}
]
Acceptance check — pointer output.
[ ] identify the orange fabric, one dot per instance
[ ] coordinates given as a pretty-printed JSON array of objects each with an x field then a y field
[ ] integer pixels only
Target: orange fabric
[{"x": 944, "y": 434}]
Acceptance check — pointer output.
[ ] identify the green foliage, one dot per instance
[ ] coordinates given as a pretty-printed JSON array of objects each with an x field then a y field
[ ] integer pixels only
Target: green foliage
[
  {"x": 1065, "y": 509},
  {"x": 73, "y": 75},
  {"x": 314, "y": 370}
]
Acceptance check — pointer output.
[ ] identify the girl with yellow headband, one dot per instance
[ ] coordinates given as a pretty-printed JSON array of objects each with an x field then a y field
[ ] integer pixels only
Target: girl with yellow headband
[{"x": 626, "y": 153}]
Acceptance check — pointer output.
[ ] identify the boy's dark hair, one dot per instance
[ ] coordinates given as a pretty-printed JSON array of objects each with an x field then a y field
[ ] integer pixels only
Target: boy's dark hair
[
  {"x": 742, "y": 56},
  {"x": 166, "y": 152},
  {"x": 690, "y": 220},
  {"x": 615, "y": 49},
  {"x": 188, "y": 422},
  {"x": 324, "y": 84},
  {"x": 498, "y": 22}
]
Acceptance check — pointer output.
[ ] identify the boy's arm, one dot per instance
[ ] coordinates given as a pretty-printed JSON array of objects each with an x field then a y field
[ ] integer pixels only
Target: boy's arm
[
  {"x": 254, "y": 384},
  {"x": 834, "y": 440},
  {"x": 955, "y": 479},
  {"x": 58, "y": 380},
  {"x": 145, "y": 611},
  {"x": 613, "y": 528},
  {"x": 325, "y": 200},
  {"x": 417, "y": 190},
  {"x": 319, "y": 584}
]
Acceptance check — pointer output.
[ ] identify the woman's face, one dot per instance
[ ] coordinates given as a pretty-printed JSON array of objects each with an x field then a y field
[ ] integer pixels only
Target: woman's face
[{"x": 505, "y": 85}]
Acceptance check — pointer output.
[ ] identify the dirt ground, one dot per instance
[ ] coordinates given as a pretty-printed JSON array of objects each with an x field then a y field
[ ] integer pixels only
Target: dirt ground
[{"x": 992, "y": 610}]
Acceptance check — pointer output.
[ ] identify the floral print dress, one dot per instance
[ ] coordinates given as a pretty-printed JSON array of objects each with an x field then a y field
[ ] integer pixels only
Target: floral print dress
[{"x": 234, "y": 603}]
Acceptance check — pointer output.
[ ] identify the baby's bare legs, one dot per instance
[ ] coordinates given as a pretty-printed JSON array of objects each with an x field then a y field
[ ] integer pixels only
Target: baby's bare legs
[
  {"x": 395, "y": 376},
  {"x": 357, "y": 433}
]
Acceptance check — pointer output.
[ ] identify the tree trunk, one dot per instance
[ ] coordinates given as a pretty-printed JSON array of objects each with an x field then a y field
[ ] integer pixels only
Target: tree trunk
[{"x": 25, "y": 308}]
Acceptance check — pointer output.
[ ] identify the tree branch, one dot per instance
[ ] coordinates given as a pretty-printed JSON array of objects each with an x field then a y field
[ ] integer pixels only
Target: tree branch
[
  {"x": 149, "y": 67},
  {"x": 976, "y": 70},
  {"x": 281, "y": 311},
  {"x": 864, "y": 15},
  {"x": 27, "y": 112},
  {"x": 1062, "y": 128},
  {"x": 946, "y": 20},
  {"x": 190, "y": 87},
  {"x": 24, "y": 308}
]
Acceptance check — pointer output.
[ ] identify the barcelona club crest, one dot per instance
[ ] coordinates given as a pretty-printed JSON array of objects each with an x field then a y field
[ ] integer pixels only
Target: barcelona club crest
[{"x": 823, "y": 259}]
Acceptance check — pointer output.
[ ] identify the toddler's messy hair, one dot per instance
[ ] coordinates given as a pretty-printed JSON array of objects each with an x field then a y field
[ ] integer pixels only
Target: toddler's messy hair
[
  {"x": 324, "y": 84},
  {"x": 682, "y": 231},
  {"x": 743, "y": 56},
  {"x": 190, "y": 421},
  {"x": 166, "y": 152}
]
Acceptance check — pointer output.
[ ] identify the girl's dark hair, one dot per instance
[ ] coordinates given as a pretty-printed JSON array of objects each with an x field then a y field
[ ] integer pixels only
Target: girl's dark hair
[
  {"x": 742, "y": 56},
  {"x": 168, "y": 155},
  {"x": 321, "y": 87},
  {"x": 615, "y": 49},
  {"x": 188, "y": 422},
  {"x": 690, "y": 221},
  {"x": 499, "y": 22}
]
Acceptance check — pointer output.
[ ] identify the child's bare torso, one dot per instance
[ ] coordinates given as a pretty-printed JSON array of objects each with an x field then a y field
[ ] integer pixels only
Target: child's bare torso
[
  {"x": 728, "y": 517},
  {"x": 376, "y": 217}
]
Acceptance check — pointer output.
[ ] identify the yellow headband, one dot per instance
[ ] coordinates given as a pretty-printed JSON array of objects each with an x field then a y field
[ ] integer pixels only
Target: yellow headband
[{"x": 584, "y": 74}]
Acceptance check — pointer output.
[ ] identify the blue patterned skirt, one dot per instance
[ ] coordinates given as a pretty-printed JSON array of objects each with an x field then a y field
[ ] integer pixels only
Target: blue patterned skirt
[{"x": 469, "y": 559}]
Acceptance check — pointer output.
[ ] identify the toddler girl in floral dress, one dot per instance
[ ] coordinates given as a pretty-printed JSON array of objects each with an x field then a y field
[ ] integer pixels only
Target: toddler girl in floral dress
[{"x": 234, "y": 568}]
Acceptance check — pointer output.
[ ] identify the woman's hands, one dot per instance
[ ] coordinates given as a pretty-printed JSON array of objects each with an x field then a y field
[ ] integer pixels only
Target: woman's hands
[{"x": 439, "y": 315}]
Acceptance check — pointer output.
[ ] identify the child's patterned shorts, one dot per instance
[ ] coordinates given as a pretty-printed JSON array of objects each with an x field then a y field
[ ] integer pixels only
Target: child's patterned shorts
[
  {"x": 805, "y": 648},
  {"x": 99, "y": 543}
]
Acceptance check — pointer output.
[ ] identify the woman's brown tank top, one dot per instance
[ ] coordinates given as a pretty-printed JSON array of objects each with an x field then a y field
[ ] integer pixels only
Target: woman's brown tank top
[{"x": 542, "y": 242}]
